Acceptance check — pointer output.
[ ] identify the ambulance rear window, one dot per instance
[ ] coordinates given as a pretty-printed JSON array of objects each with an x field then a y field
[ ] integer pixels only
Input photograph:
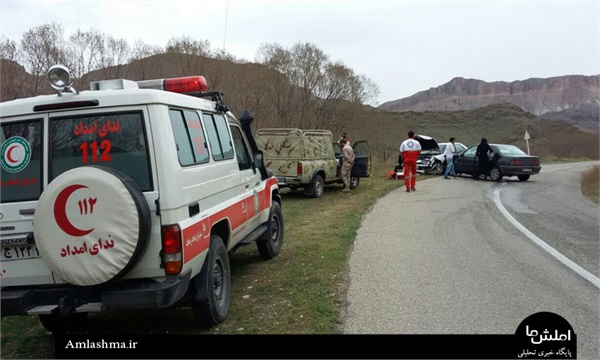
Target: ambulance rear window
[
  {"x": 116, "y": 140},
  {"x": 21, "y": 151}
]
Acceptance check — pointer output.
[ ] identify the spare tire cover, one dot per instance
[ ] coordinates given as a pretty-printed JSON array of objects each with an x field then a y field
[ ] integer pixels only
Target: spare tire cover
[{"x": 91, "y": 225}]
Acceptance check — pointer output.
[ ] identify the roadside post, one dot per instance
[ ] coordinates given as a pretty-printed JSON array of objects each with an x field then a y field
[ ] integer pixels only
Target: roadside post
[{"x": 527, "y": 140}]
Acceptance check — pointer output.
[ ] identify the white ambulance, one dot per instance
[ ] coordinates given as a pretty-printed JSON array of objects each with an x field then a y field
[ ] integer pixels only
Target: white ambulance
[{"x": 130, "y": 195}]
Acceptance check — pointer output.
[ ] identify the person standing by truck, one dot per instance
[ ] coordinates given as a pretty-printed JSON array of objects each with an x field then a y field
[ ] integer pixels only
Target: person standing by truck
[
  {"x": 347, "y": 163},
  {"x": 410, "y": 150},
  {"x": 344, "y": 137}
]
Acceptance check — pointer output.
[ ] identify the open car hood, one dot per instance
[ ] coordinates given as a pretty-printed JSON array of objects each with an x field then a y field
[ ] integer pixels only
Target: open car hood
[{"x": 428, "y": 143}]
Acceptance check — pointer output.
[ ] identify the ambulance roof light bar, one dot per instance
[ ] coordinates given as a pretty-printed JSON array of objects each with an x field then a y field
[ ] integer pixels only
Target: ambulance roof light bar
[
  {"x": 60, "y": 79},
  {"x": 192, "y": 85}
]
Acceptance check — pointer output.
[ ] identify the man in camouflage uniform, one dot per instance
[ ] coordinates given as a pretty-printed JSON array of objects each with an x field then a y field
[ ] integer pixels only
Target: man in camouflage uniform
[{"x": 347, "y": 163}]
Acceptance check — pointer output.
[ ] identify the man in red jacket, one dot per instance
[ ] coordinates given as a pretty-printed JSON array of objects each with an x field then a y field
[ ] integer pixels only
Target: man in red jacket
[{"x": 410, "y": 150}]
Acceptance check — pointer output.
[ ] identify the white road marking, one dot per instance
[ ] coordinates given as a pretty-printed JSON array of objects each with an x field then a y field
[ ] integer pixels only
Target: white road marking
[{"x": 560, "y": 257}]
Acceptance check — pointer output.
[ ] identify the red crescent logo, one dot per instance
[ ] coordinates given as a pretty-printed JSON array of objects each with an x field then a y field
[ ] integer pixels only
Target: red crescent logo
[
  {"x": 60, "y": 212},
  {"x": 10, "y": 149}
]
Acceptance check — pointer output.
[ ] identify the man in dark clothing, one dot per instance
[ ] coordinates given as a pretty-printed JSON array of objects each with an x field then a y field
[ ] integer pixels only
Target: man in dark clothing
[{"x": 482, "y": 155}]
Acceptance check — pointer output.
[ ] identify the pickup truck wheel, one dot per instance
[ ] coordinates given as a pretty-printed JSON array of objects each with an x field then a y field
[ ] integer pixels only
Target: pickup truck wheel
[
  {"x": 354, "y": 182},
  {"x": 211, "y": 305},
  {"x": 92, "y": 225},
  {"x": 58, "y": 324},
  {"x": 269, "y": 244},
  {"x": 316, "y": 188}
]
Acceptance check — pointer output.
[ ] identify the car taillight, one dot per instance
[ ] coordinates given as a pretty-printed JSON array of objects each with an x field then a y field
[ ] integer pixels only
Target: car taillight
[
  {"x": 536, "y": 162},
  {"x": 171, "y": 249},
  {"x": 299, "y": 170},
  {"x": 516, "y": 162}
]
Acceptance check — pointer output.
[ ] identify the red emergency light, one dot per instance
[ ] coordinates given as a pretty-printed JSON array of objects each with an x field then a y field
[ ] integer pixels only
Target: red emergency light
[{"x": 182, "y": 85}]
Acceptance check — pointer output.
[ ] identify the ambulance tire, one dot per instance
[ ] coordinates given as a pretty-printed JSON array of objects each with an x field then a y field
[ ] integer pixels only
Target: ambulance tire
[
  {"x": 269, "y": 244},
  {"x": 121, "y": 204},
  {"x": 211, "y": 305},
  {"x": 57, "y": 324}
]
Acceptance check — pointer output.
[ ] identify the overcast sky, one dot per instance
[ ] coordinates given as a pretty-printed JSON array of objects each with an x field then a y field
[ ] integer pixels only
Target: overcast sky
[{"x": 403, "y": 46}]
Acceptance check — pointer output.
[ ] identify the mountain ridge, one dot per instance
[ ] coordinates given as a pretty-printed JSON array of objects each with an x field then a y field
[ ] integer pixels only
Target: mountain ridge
[{"x": 572, "y": 98}]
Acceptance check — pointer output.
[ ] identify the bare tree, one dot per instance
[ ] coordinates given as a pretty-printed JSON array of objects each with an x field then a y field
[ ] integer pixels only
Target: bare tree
[
  {"x": 319, "y": 93},
  {"x": 12, "y": 77},
  {"x": 189, "y": 52},
  {"x": 141, "y": 51},
  {"x": 41, "y": 48}
]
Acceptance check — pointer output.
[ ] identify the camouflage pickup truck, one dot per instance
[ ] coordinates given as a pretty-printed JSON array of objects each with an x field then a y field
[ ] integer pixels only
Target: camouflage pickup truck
[{"x": 309, "y": 159}]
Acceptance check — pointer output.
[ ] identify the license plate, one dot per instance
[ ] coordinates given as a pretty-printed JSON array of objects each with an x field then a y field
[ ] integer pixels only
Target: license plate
[
  {"x": 19, "y": 252},
  {"x": 281, "y": 180},
  {"x": 528, "y": 170}
]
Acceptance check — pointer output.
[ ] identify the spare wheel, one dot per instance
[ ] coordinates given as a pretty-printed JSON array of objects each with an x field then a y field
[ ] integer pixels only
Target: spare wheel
[{"x": 91, "y": 225}]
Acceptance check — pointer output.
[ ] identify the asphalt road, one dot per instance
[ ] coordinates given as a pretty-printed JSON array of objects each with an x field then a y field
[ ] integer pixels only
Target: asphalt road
[{"x": 475, "y": 257}]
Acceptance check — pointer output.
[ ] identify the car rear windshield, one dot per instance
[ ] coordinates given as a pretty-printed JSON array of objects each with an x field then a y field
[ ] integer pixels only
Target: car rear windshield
[
  {"x": 115, "y": 140},
  {"x": 510, "y": 150}
]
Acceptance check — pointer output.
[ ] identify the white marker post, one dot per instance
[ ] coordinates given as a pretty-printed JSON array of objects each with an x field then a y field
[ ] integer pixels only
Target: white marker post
[{"x": 527, "y": 139}]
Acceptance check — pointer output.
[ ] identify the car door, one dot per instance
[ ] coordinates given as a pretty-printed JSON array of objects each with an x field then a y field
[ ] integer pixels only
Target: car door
[
  {"x": 362, "y": 159},
  {"x": 466, "y": 161}
]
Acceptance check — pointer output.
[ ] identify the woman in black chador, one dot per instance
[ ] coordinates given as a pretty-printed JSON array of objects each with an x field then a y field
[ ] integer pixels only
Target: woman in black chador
[{"x": 482, "y": 154}]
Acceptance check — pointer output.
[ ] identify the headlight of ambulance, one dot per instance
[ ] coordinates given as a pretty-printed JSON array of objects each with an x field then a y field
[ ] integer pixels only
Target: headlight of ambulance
[{"x": 60, "y": 78}]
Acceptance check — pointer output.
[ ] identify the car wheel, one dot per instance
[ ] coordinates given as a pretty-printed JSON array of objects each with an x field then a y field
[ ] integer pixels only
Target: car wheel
[
  {"x": 316, "y": 188},
  {"x": 57, "y": 324},
  {"x": 354, "y": 181},
  {"x": 495, "y": 174},
  {"x": 213, "y": 284},
  {"x": 436, "y": 168},
  {"x": 92, "y": 225},
  {"x": 269, "y": 244},
  {"x": 523, "y": 177}
]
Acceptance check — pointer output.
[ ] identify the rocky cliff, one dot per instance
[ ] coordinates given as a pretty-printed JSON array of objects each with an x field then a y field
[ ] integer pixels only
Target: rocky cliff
[{"x": 572, "y": 98}]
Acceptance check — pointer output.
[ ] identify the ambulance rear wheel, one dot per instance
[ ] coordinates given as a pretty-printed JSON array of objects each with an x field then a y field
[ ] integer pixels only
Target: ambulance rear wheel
[{"x": 211, "y": 305}]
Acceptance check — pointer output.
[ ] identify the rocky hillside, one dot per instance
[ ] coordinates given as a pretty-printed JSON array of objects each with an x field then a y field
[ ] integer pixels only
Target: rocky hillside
[{"x": 573, "y": 98}]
